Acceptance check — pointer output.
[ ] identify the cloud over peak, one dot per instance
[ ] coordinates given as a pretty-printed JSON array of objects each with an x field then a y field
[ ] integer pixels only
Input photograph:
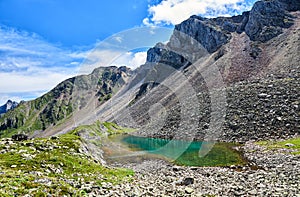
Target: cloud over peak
[{"x": 172, "y": 12}]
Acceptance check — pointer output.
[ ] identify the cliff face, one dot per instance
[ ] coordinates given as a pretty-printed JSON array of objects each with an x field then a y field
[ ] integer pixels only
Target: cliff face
[{"x": 266, "y": 20}]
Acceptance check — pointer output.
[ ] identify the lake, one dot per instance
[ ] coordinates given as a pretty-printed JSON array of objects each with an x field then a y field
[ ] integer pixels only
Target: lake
[{"x": 133, "y": 148}]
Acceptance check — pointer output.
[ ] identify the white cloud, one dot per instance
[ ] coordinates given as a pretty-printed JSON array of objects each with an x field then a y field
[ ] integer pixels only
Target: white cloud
[
  {"x": 14, "y": 82},
  {"x": 130, "y": 59},
  {"x": 175, "y": 11},
  {"x": 118, "y": 39},
  {"x": 29, "y": 64},
  {"x": 138, "y": 59},
  {"x": 78, "y": 54},
  {"x": 146, "y": 21},
  {"x": 98, "y": 58},
  {"x": 101, "y": 57},
  {"x": 4, "y": 98}
]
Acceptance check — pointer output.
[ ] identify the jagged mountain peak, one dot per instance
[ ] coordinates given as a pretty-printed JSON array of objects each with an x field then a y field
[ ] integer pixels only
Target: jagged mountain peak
[
  {"x": 264, "y": 22},
  {"x": 9, "y": 105},
  {"x": 197, "y": 36}
]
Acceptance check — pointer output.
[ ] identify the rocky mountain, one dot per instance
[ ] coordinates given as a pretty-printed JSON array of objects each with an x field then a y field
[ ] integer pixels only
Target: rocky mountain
[
  {"x": 58, "y": 105},
  {"x": 9, "y": 105},
  {"x": 241, "y": 70},
  {"x": 256, "y": 93}
]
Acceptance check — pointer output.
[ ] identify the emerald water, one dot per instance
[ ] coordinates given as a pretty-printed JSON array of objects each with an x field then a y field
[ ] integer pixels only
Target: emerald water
[{"x": 179, "y": 152}]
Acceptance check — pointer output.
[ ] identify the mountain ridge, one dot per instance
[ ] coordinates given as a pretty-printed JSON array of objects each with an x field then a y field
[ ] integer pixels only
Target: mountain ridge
[{"x": 59, "y": 104}]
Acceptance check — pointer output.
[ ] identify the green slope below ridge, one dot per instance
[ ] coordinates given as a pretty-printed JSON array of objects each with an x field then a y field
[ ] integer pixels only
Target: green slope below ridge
[
  {"x": 57, "y": 166},
  {"x": 61, "y": 102}
]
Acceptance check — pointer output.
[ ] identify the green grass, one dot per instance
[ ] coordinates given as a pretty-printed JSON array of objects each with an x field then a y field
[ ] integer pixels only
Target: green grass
[
  {"x": 93, "y": 129},
  {"x": 99, "y": 128},
  {"x": 57, "y": 160},
  {"x": 281, "y": 144},
  {"x": 113, "y": 128}
]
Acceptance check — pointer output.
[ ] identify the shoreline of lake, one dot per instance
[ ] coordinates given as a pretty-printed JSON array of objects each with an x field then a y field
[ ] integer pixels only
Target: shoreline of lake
[{"x": 277, "y": 173}]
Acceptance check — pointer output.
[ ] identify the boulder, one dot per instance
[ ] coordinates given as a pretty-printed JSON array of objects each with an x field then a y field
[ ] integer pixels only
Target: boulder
[
  {"x": 19, "y": 137},
  {"x": 289, "y": 145},
  {"x": 266, "y": 20}
]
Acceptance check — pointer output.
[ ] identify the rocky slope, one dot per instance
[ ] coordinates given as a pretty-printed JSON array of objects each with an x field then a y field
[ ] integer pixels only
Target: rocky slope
[
  {"x": 257, "y": 56},
  {"x": 9, "y": 105},
  {"x": 58, "y": 105}
]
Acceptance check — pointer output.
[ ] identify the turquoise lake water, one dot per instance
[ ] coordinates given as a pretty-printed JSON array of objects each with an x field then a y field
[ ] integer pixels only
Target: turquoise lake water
[{"x": 185, "y": 152}]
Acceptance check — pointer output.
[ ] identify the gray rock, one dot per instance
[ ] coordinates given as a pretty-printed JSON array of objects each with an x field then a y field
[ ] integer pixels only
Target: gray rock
[
  {"x": 187, "y": 181},
  {"x": 262, "y": 95},
  {"x": 189, "y": 190},
  {"x": 206, "y": 32},
  {"x": 267, "y": 18},
  {"x": 289, "y": 144},
  {"x": 19, "y": 137},
  {"x": 290, "y": 5}
]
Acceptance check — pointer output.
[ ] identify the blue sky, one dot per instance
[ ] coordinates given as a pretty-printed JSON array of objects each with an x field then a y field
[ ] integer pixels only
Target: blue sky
[{"x": 43, "y": 42}]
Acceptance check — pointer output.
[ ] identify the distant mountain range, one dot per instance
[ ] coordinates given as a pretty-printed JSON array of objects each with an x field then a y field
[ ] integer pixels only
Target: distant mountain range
[
  {"x": 9, "y": 105},
  {"x": 253, "y": 58}
]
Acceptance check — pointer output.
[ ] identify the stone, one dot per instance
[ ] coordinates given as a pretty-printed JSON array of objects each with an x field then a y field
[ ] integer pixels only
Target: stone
[
  {"x": 289, "y": 145},
  {"x": 279, "y": 118},
  {"x": 19, "y": 137},
  {"x": 290, "y": 5},
  {"x": 54, "y": 137},
  {"x": 266, "y": 20},
  {"x": 176, "y": 168},
  {"x": 262, "y": 95},
  {"x": 234, "y": 126},
  {"x": 188, "y": 181},
  {"x": 9, "y": 105},
  {"x": 188, "y": 190}
]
